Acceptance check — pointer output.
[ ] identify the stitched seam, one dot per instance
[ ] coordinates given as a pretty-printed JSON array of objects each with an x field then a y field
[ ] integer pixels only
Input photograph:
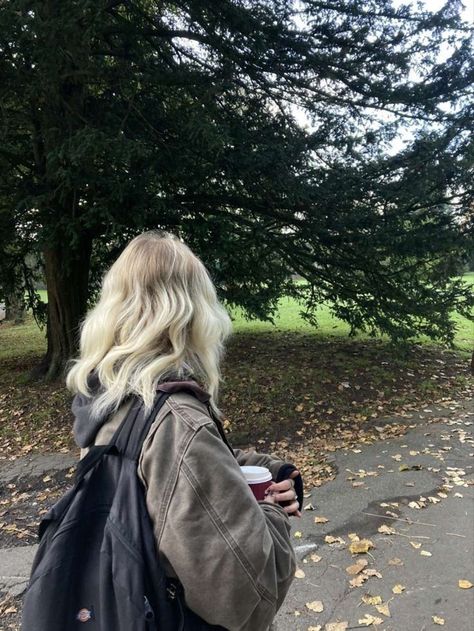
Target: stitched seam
[
  {"x": 174, "y": 473},
  {"x": 170, "y": 487},
  {"x": 180, "y": 411},
  {"x": 262, "y": 591}
]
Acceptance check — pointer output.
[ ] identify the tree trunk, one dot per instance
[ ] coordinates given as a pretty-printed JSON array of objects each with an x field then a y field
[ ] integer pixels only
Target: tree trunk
[
  {"x": 15, "y": 306},
  {"x": 67, "y": 278}
]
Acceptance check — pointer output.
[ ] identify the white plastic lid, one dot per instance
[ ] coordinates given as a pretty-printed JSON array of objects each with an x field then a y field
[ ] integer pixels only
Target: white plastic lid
[{"x": 256, "y": 475}]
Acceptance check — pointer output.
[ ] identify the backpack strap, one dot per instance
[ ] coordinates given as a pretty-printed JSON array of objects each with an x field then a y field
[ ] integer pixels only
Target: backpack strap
[{"x": 129, "y": 437}]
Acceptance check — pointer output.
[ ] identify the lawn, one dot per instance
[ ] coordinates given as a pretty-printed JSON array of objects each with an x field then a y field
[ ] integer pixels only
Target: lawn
[{"x": 289, "y": 319}]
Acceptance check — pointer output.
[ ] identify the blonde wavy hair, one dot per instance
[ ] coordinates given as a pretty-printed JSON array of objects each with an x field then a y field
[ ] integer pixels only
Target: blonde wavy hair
[{"x": 158, "y": 317}]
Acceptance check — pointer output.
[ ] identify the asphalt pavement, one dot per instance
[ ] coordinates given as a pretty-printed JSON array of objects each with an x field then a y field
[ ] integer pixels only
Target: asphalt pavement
[
  {"x": 408, "y": 501},
  {"x": 419, "y": 489}
]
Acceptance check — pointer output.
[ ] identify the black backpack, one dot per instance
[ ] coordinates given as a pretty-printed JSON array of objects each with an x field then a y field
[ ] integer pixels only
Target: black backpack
[{"x": 97, "y": 566}]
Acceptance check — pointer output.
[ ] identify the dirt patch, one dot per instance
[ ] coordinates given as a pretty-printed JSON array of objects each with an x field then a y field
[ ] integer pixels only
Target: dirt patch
[{"x": 23, "y": 504}]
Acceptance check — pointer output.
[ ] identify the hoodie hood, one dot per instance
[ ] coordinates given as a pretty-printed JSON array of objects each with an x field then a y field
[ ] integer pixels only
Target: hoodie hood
[{"x": 85, "y": 427}]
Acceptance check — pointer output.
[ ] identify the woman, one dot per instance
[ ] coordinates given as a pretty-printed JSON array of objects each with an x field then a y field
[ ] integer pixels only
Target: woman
[{"x": 159, "y": 326}]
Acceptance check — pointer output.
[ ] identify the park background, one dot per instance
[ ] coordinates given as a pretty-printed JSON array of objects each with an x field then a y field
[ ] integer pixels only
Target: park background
[{"x": 318, "y": 157}]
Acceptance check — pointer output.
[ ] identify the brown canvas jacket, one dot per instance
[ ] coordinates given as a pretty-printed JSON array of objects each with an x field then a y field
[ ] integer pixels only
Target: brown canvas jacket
[{"x": 232, "y": 554}]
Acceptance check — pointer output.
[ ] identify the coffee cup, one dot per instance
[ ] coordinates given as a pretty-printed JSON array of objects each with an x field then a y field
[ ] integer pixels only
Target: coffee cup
[{"x": 259, "y": 479}]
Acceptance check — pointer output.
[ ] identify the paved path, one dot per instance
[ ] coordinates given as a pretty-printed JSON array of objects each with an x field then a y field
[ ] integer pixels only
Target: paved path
[
  {"x": 444, "y": 529},
  {"x": 369, "y": 491}
]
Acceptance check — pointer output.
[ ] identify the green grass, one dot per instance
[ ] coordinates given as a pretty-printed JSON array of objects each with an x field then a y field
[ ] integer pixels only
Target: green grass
[
  {"x": 21, "y": 340},
  {"x": 289, "y": 319}
]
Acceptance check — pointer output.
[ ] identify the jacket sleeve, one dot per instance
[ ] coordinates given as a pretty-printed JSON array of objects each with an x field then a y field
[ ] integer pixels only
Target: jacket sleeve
[
  {"x": 252, "y": 458},
  {"x": 232, "y": 554}
]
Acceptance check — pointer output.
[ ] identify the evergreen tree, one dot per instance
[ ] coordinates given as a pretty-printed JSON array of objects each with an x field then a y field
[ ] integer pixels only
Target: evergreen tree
[{"x": 119, "y": 116}]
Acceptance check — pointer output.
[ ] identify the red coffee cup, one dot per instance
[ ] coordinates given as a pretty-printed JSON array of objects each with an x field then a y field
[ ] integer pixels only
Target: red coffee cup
[{"x": 259, "y": 479}]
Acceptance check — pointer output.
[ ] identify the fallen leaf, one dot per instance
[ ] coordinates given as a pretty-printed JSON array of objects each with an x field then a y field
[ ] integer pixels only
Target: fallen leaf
[
  {"x": 383, "y": 609},
  {"x": 308, "y": 507},
  {"x": 464, "y": 584},
  {"x": 336, "y": 626},
  {"x": 321, "y": 520},
  {"x": 395, "y": 561},
  {"x": 369, "y": 619},
  {"x": 316, "y": 606},
  {"x": 357, "y": 567},
  {"x": 358, "y": 580},
  {"x": 330, "y": 539},
  {"x": 398, "y": 589},
  {"x": 371, "y": 571},
  {"x": 415, "y": 544},
  {"x": 438, "y": 620},
  {"x": 318, "y": 628},
  {"x": 298, "y": 534},
  {"x": 371, "y": 600},
  {"x": 9, "y": 610},
  {"x": 386, "y": 530},
  {"x": 408, "y": 467},
  {"x": 361, "y": 547},
  {"x": 315, "y": 558},
  {"x": 425, "y": 553},
  {"x": 299, "y": 573}
]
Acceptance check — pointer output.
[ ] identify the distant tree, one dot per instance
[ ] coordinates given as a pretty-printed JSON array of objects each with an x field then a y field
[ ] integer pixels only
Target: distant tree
[{"x": 118, "y": 116}]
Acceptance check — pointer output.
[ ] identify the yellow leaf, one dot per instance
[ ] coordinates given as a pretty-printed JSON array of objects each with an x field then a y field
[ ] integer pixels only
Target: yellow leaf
[
  {"x": 438, "y": 620},
  {"x": 398, "y": 589},
  {"x": 321, "y": 520},
  {"x": 415, "y": 544},
  {"x": 298, "y": 534},
  {"x": 425, "y": 553},
  {"x": 371, "y": 600},
  {"x": 299, "y": 573},
  {"x": 357, "y": 567},
  {"x": 369, "y": 619},
  {"x": 315, "y": 558},
  {"x": 331, "y": 539},
  {"x": 318, "y": 628},
  {"x": 464, "y": 584},
  {"x": 315, "y": 605},
  {"x": 299, "y": 407},
  {"x": 353, "y": 536},
  {"x": 361, "y": 547},
  {"x": 383, "y": 609}
]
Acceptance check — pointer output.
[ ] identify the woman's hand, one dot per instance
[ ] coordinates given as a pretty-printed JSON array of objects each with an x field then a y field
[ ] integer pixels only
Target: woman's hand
[{"x": 284, "y": 492}]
